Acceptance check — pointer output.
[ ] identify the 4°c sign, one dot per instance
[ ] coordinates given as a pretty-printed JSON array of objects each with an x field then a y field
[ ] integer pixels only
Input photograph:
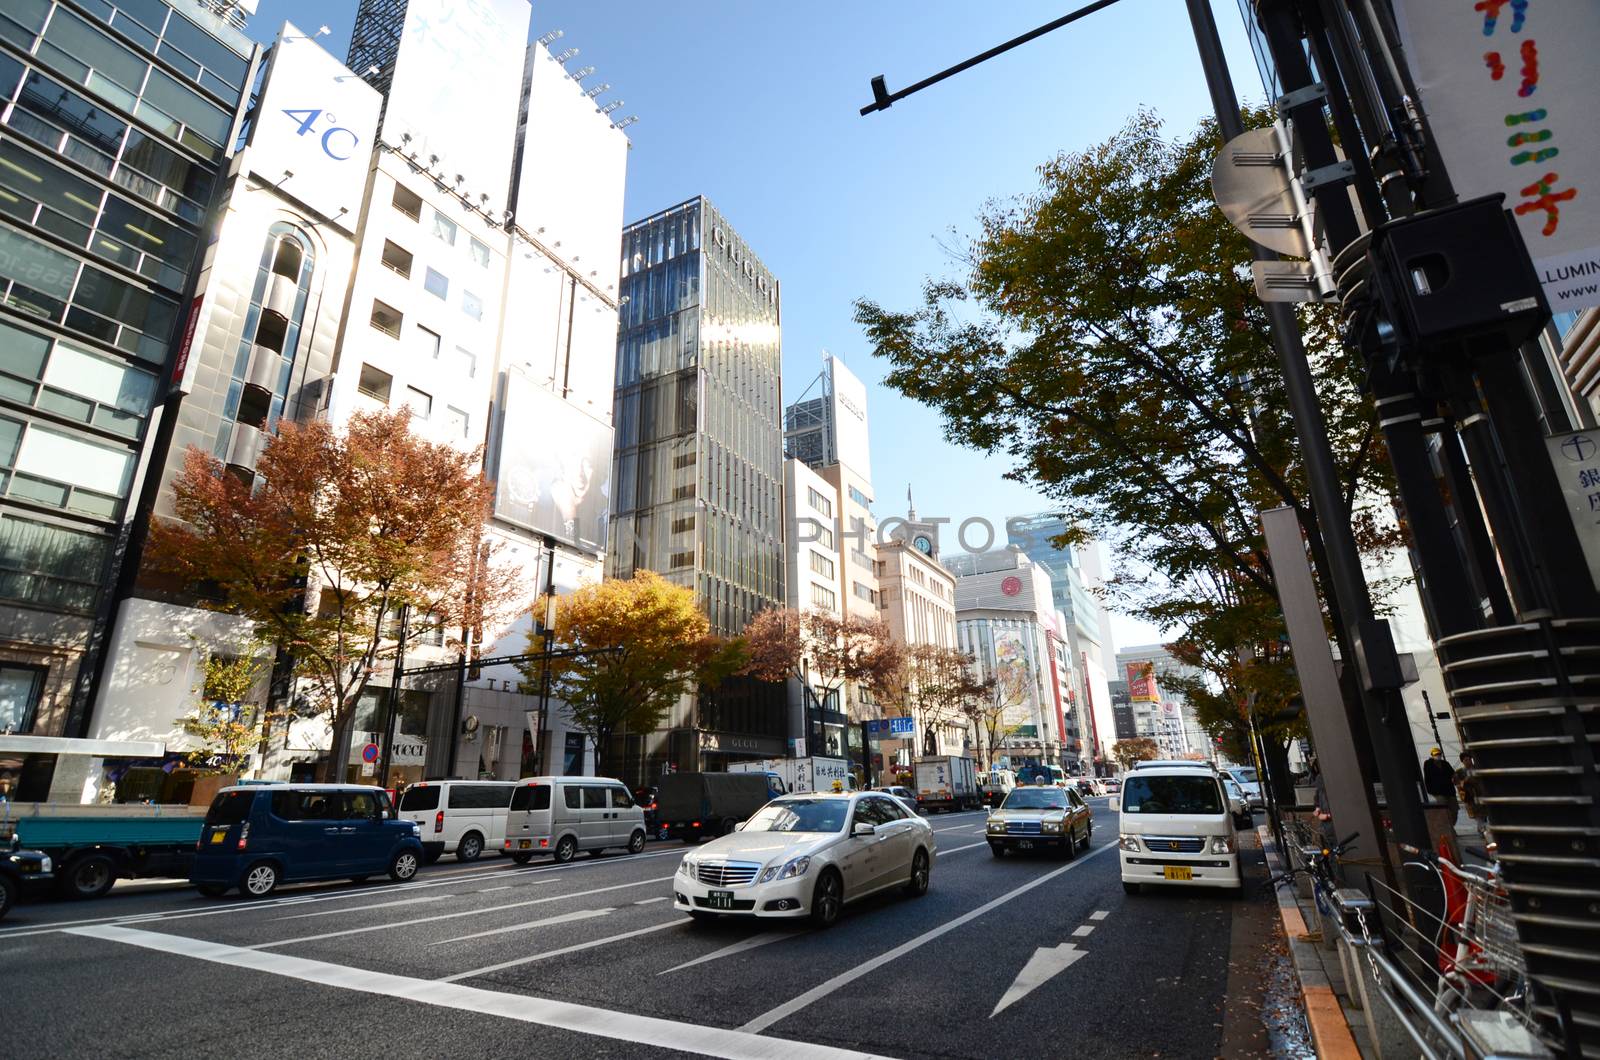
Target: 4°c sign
[{"x": 1576, "y": 456}]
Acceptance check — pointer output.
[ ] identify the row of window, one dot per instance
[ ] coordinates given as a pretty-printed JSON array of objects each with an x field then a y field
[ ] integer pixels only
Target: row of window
[
  {"x": 155, "y": 27},
  {"x": 866, "y": 593},
  {"x": 821, "y": 564},
  {"x": 377, "y": 384},
  {"x": 86, "y": 386},
  {"x": 46, "y": 465},
  {"x": 409, "y": 203},
  {"x": 50, "y": 566},
  {"x": 819, "y": 502},
  {"x": 859, "y": 497},
  {"x": 823, "y": 597}
]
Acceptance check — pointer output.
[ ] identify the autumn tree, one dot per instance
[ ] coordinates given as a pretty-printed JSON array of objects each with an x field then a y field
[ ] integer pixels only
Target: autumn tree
[
  {"x": 1103, "y": 336},
  {"x": 638, "y": 644},
  {"x": 824, "y": 651},
  {"x": 942, "y": 686},
  {"x": 336, "y": 534},
  {"x": 1135, "y": 749}
]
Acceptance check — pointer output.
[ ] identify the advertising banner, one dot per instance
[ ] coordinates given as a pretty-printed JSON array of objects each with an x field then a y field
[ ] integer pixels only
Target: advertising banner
[
  {"x": 553, "y": 467},
  {"x": 1508, "y": 89},
  {"x": 1142, "y": 683},
  {"x": 849, "y": 396},
  {"x": 1013, "y": 675},
  {"x": 316, "y": 122}
]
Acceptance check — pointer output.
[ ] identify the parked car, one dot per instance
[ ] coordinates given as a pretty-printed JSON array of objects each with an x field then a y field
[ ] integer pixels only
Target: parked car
[
  {"x": 808, "y": 856},
  {"x": 1175, "y": 826},
  {"x": 22, "y": 872},
  {"x": 1113, "y": 785},
  {"x": 1249, "y": 783},
  {"x": 1238, "y": 803},
  {"x": 1050, "y": 818},
  {"x": 460, "y": 817},
  {"x": 563, "y": 815},
  {"x": 255, "y": 838},
  {"x": 901, "y": 792}
]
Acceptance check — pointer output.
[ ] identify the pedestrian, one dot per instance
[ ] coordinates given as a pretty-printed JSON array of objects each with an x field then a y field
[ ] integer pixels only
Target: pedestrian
[
  {"x": 1439, "y": 780},
  {"x": 1466, "y": 779}
]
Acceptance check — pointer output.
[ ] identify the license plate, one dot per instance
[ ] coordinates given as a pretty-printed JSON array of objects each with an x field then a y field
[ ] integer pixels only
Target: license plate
[
  {"x": 524, "y": 844},
  {"x": 217, "y": 837},
  {"x": 1178, "y": 872},
  {"x": 720, "y": 899},
  {"x": 1025, "y": 844}
]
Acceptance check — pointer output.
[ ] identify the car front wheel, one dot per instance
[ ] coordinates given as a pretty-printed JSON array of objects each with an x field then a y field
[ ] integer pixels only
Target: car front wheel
[
  {"x": 403, "y": 866},
  {"x": 827, "y": 899}
]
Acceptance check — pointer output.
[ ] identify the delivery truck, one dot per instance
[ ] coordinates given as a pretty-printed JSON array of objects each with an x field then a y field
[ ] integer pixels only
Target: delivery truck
[
  {"x": 803, "y": 774},
  {"x": 946, "y": 782},
  {"x": 692, "y": 806}
]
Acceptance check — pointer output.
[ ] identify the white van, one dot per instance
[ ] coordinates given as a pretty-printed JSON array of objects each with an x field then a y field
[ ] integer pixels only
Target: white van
[
  {"x": 1176, "y": 826},
  {"x": 563, "y": 815},
  {"x": 460, "y": 817}
]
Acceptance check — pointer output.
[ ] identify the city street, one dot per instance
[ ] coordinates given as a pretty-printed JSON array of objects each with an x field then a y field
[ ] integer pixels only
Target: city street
[{"x": 589, "y": 959}]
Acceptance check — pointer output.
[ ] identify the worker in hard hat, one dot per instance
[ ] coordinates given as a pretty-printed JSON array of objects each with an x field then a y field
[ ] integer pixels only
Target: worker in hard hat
[{"x": 1439, "y": 781}]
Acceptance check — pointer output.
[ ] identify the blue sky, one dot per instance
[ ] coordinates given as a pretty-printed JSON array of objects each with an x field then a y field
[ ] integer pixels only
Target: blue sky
[{"x": 754, "y": 104}]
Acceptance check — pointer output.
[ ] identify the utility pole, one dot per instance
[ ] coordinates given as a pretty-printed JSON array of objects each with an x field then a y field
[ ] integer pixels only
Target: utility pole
[
  {"x": 392, "y": 703},
  {"x": 549, "y": 639}
]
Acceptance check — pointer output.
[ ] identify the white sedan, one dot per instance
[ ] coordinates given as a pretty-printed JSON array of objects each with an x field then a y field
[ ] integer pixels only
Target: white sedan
[{"x": 807, "y": 856}]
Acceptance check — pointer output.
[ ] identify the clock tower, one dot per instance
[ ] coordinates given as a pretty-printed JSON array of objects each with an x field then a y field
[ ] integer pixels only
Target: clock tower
[{"x": 920, "y": 535}]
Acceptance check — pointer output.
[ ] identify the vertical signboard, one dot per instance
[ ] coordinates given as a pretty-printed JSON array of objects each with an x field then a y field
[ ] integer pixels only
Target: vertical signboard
[
  {"x": 1509, "y": 91},
  {"x": 1142, "y": 683},
  {"x": 553, "y": 467},
  {"x": 314, "y": 127},
  {"x": 849, "y": 397},
  {"x": 1576, "y": 457},
  {"x": 456, "y": 88}
]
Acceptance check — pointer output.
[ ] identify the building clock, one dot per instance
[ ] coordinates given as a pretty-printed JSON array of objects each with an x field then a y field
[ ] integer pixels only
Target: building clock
[{"x": 923, "y": 545}]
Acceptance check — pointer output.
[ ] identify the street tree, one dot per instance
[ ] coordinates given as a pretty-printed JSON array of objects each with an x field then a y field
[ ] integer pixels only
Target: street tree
[
  {"x": 941, "y": 684},
  {"x": 227, "y": 718},
  {"x": 1136, "y": 749},
  {"x": 639, "y": 644},
  {"x": 824, "y": 652},
  {"x": 1103, "y": 336},
  {"x": 336, "y": 534},
  {"x": 986, "y": 704}
]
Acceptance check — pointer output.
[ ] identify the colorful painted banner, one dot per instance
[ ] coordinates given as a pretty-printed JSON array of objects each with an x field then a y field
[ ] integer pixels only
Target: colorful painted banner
[{"x": 1509, "y": 88}]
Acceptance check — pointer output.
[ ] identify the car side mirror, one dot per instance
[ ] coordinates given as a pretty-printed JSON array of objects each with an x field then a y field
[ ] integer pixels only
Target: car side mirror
[{"x": 863, "y": 828}]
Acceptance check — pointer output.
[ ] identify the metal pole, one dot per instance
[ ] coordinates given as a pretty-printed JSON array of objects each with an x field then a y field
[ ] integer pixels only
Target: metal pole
[
  {"x": 393, "y": 699},
  {"x": 549, "y": 645}
]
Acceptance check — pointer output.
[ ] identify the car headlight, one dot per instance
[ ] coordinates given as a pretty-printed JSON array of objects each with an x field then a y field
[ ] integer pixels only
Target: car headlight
[
  {"x": 686, "y": 868},
  {"x": 45, "y": 864},
  {"x": 996, "y": 825},
  {"x": 1129, "y": 842},
  {"x": 795, "y": 867},
  {"x": 1222, "y": 844},
  {"x": 772, "y": 870},
  {"x": 1051, "y": 825}
]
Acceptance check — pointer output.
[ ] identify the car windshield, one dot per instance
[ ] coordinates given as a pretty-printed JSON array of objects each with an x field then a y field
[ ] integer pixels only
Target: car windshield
[
  {"x": 1192, "y": 794},
  {"x": 800, "y": 815},
  {"x": 1248, "y": 775},
  {"x": 1035, "y": 799}
]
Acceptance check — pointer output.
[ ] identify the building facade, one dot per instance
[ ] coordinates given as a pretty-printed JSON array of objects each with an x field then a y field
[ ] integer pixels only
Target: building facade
[
  {"x": 1160, "y": 712},
  {"x": 116, "y": 129},
  {"x": 812, "y": 584},
  {"x": 699, "y": 456},
  {"x": 918, "y": 601}
]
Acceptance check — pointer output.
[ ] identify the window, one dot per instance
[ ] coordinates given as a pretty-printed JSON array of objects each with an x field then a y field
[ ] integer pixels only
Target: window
[
  {"x": 620, "y": 799},
  {"x": 437, "y": 284},
  {"x": 317, "y": 804},
  {"x": 230, "y": 807},
  {"x": 420, "y": 797},
  {"x": 821, "y": 564},
  {"x": 407, "y": 202},
  {"x": 480, "y": 796},
  {"x": 469, "y": 362},
  {"x": 472, "y": 305},
  {"x": 594, "y": 797},
  {"x": 386, "y": 318},
  {"x": 824, "y": 534},
  {"x": 680, "y": 560},
  {"x": 683, "y": 525},
  {"x": 427, "y": 342},
  {"x": 375, "y": 383},
  {"x": 1197, "y": 794},
  {"x": 444, "y": 228},
  {"x": 396, "y": 258},
  {"x": 864, "y": 593},
  {"x": 531, "y": 797},
  {"x": 823, "y": 597},
  {"x": 110, "y": 70},
  {"x": 183, "y": 115},
  {"x": 20, "y": 689},
  {"x": 360, "y": 805},
  {"x": 819, "y": 502},
  {"x": 89, "y": 387},
  {"x": 420, "y": 403},
  {"x": 572, "y": 761},
  {"x": 479, "y": 252},
  {"x": 456, "y": 422},
  {"x": 66, "y": 471},
  {"x": 572, "y": 792},
  {"x": 861, "y": 559},
  {"x": 50, "y": 565},
  {"x": 860, "y": 498}
]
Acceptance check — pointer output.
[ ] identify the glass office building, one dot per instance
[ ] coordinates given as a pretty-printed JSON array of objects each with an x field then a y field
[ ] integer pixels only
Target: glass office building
[
  {"x": 116, "y": 120},
  {"x": 699, "y": 450}
]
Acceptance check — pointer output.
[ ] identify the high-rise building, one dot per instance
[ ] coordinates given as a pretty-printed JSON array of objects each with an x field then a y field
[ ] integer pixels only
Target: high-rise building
[
  {"x": 812, "y": 583},
  {"x": 1160, "y": 712},
  {"x": 918, "y": 600},
  {"x": 699, "y": 455},
  {"x": 118, "y": 127}
]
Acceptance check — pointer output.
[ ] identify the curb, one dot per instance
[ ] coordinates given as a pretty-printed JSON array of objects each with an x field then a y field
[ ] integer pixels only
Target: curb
[{"x": 1330, "y": 1030}]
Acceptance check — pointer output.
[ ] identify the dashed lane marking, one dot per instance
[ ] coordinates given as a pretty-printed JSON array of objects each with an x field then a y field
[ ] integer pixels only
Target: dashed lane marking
[
  {"x": 564, "y": 918},
  {"x": 1099, "y": 914},
  {"x": 563, "y": 1015},
  {"x": 741, "y": 946},
  {"x": 361, "y": 908},
  {"x": 1081, "y": 930}
]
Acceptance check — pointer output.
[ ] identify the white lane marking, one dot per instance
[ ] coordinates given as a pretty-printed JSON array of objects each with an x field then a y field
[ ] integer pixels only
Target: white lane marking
[
  {"x": 452, "y": 916},
  {"x": 957, "y": 850},
  {"x": 487, "y": 890},
  {"x": 816, "y": 993},
  {"x": 564, "y": 918},
  {"x": 738, "y": 947},
  {"x": 563, "y": 1015},
  {"x": 647, "y": 901},
  {"x": 360, "y": 908},
  {"x": 955, "y": 827},
  {"x": 1046, "y": 963},
  {"x": 562, "y": 951},
  {"x": 298, "y": 899},
  {"x": 1099, "y": 914},
  {"x": 1082, "y": 930}
]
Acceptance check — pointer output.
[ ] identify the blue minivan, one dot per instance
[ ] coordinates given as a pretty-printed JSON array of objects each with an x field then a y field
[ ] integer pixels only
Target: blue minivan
[{"x": 258, "y": 836}]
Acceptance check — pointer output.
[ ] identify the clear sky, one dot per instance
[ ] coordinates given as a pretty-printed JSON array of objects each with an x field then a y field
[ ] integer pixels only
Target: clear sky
[{"x": 754, "y": 103}]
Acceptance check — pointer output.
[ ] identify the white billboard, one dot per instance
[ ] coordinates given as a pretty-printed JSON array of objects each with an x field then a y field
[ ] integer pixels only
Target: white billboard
[
  {"x": 316, "y": 122},
  {"x": 552, "y": 466},
  {"x": 1508, "y": 92},
  {"x": 849, "y": 397},
  {"x": 574, "y": 167},
  {"x": 456, "y": 87}
]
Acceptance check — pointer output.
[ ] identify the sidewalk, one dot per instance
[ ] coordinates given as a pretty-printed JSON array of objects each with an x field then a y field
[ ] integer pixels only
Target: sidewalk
[{"x": 1338, "y": 1028}]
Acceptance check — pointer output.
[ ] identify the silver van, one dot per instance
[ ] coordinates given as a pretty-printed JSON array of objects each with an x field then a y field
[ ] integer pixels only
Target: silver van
[
  {"x": 563, "y": 815},
  {"x": 460, "y": 817}
]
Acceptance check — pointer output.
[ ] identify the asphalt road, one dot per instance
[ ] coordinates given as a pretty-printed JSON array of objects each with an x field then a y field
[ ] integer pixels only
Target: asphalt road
[{"x": 1022, "y": 956}]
